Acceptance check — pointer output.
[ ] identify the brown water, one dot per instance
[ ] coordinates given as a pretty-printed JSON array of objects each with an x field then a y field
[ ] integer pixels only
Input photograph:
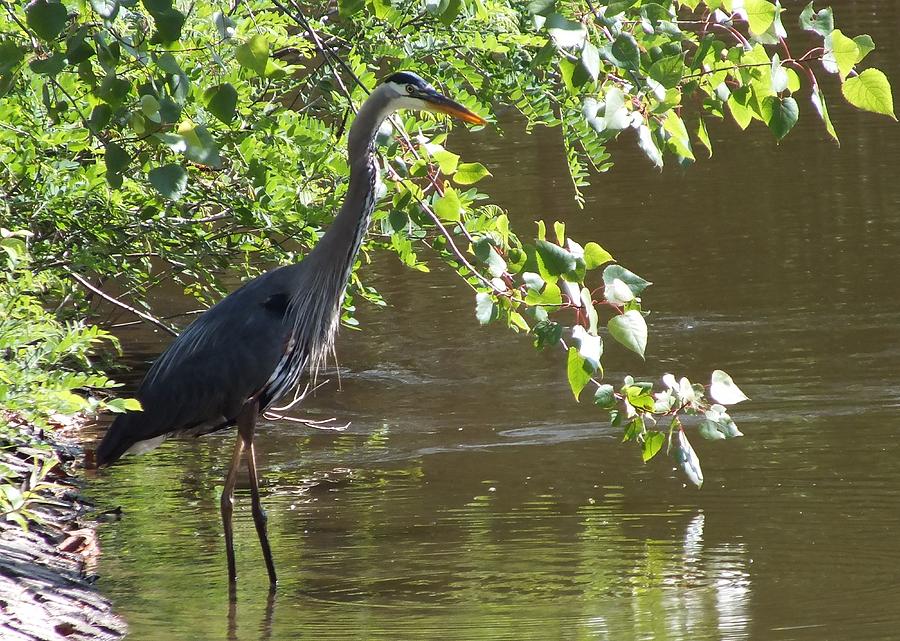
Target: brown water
[{"x": 472, "y": 499}]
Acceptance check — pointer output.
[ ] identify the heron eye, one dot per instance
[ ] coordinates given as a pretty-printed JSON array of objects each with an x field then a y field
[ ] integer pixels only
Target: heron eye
[{"x": 410, "y": 89}]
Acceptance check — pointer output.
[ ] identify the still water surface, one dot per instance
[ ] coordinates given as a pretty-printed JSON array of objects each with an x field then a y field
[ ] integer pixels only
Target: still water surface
[{"x": 472, "y": 499}]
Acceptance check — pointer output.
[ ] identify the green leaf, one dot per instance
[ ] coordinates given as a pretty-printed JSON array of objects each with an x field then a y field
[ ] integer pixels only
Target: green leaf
[
  {"x": 221, "y": 101},
  {"x": 818, "y": 100},
  {"x": 723, "y": 390},
  {"x": 46, "y": 18},
  {"x": 448, "y": 206},
  {"x": 678, "y": 135},
  {"x": 579, "y": 372},
  {"x": 653, "y": 443},
  {"x": 254, "y": 54},
  {"x": 708, "y": 431},
  {"x": 595, "y": 256},
  {"x": 150, "y": 108},
  {"x": 630, "y": 329},
  {"x": 865, "y": 44},
  {"x": 447, "y": 161},
  {"x": 635, "y": 283},
  {"x": 485, "y": 308},
  {"x": 99, "y": 118},
  {"x": 668, "y": 71},
  {"x": 168, "y": 26},
  {"x": 198, "y": 145},
  {"x": 541, "y": 7},
  {"x": 11, "y": 54},
  {"x": 648, "y": 146},
  {"x": 106, "y": 9},
  {"x": 555, "y": 259},
  {"x": 567, "y": 34},
  {"x": 590, "y": 60},
  {"x": 605, "y": 396},
  {"x": 870, "y": 91},
  {"x": 550, "y": 295},
  {"x": 703, "y": 136},
  {"x": 116, "y": 158},
  {"x": 48, "y": 66},
  {"x": 625, "y": 52},
  {"x": 821, "y": 22},
  {"x": 349, "y": 7},
  {"x": 781, "y": 114},
  {"x": 469, "y": 173},
  {"x": 760, "y": 15},
  {"x": 122, "y": 405},
  {"x": 843, "y": 50},
  {"x": 169, "y": 180}
]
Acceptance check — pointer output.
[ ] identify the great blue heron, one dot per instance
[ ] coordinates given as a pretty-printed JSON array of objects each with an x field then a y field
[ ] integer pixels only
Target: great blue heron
[{"x": 251, "y": 348}]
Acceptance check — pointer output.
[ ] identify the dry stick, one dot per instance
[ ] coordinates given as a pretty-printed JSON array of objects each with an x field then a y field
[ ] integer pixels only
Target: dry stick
[{"x": 115, "y": 301}]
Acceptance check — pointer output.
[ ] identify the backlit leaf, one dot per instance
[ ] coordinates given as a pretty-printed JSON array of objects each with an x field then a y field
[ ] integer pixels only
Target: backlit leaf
[
  {"x": 760, "y": 14},
  {"x": 469, "y": 173},
  {"x": 254, "y": 54},
  {"x": 870, "y": 91},
  {"x": 448, "y": 206},
  {"x": 579, "y": 372},
  {"x": 653, "y": 442},
  {"x": 686, "y": 458},
  {"x": 634, "y": 282},
  {"x": 630, "y": 329},
  {"x": 723, "y": 390},
  {"x": 595, "y": 256}
]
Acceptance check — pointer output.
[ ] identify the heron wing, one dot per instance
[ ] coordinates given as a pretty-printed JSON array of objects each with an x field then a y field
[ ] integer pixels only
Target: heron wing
[{"x": 205, "y": 376}]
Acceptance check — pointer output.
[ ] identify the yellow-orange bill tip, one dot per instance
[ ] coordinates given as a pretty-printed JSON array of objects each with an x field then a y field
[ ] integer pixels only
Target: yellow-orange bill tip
[{"x": 452, "y": 108}]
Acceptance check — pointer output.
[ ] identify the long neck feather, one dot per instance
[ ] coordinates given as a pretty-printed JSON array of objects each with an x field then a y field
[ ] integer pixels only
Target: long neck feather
[{"x": 317, "y": 300}]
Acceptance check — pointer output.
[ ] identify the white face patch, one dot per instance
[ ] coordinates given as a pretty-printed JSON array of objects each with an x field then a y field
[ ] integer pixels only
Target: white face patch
[{"x": 403, "y": 99}]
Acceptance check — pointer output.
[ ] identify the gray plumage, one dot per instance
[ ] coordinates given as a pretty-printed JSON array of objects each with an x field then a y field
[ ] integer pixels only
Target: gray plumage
[{"x": 252, "y": 348}]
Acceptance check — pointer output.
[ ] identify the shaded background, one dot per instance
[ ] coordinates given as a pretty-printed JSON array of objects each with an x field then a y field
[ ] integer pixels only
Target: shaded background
[{"x": 473, "y": 499}]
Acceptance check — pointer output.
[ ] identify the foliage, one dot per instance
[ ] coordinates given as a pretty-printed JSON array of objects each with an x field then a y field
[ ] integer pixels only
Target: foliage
[
  {"x": 47, "y": 372},
  {"x": 148, "y": 141}
]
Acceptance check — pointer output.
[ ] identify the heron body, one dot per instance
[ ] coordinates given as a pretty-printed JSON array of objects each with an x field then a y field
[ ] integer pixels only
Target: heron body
[{"x": 252, "y": 348}]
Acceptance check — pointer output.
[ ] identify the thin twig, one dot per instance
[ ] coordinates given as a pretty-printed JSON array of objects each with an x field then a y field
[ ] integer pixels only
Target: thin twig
[{"x": 115, "y": 301}]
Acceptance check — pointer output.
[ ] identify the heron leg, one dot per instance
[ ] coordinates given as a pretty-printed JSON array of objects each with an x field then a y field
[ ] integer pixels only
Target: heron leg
[
  {"x": 246, "y": 427},
  {"x": 226, "y": 505}
]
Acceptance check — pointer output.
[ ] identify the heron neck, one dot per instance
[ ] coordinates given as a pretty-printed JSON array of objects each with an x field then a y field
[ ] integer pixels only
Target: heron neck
[{"x": 346, "y": 232}]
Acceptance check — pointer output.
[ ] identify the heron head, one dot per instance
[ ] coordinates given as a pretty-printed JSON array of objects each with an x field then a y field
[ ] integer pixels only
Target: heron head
[{"x": 409, "y": 91}]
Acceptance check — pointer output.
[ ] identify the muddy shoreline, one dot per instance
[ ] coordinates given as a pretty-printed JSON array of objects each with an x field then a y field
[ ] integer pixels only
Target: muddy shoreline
[{"x": 47, "y": 575}]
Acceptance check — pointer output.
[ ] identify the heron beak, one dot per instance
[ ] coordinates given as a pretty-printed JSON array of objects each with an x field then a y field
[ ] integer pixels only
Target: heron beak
[{"x": 444, "y": 105}]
